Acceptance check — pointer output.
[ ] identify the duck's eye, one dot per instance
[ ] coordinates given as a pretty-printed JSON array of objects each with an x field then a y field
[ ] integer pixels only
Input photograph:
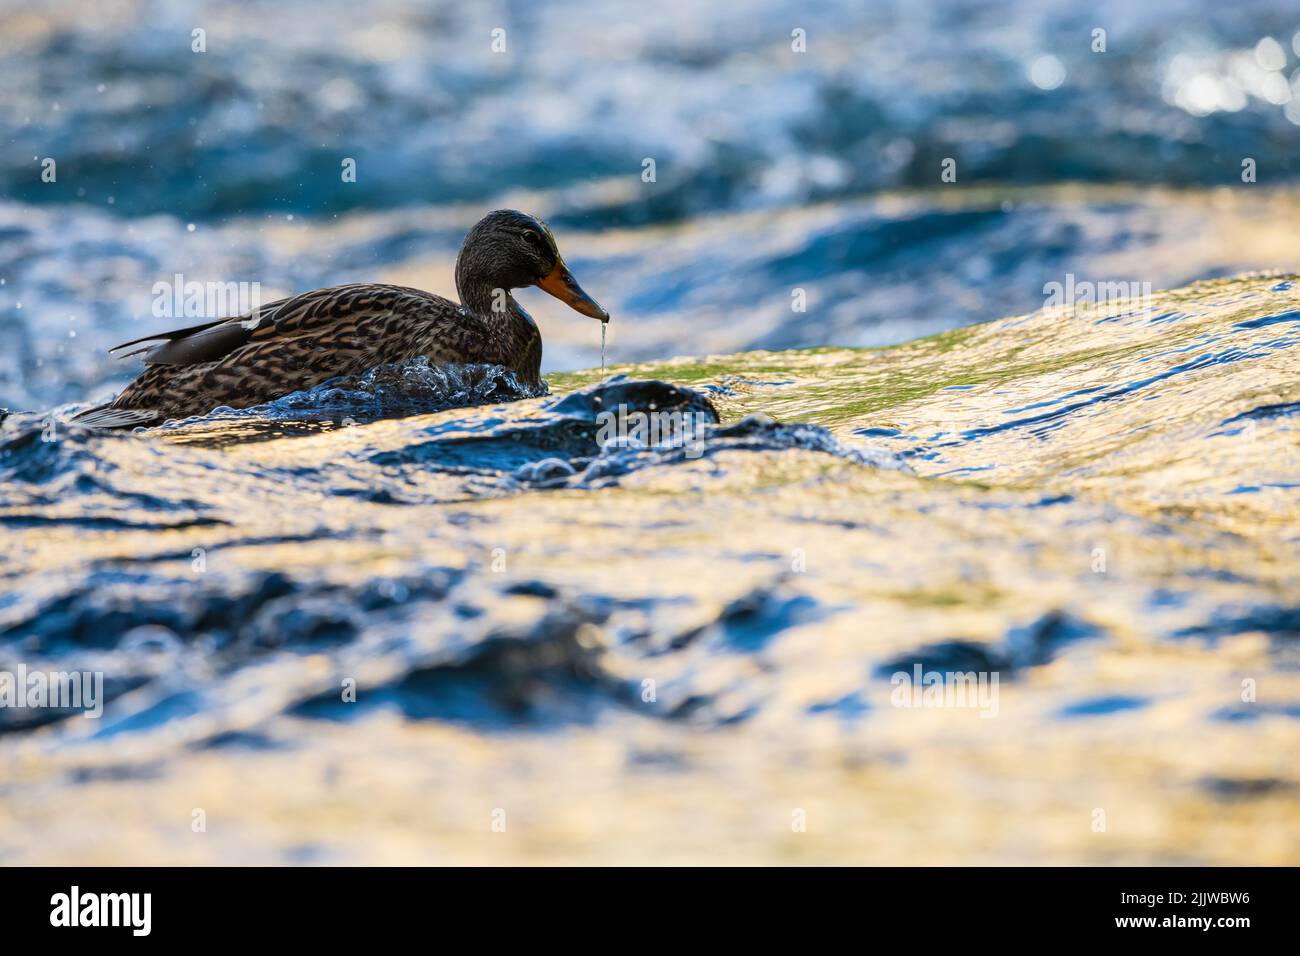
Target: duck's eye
[{"x": 532, "y": 238}]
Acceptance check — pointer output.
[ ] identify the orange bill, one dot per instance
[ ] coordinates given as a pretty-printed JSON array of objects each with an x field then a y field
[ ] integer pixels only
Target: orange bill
[{"x": 561, "y": 284}]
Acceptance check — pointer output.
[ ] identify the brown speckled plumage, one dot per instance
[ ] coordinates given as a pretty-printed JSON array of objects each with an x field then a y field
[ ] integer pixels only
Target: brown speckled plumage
[{"x": 299, "y": 342}]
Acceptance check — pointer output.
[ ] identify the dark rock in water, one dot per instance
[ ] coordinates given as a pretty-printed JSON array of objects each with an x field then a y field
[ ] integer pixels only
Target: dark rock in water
[
  {"x": 633, "y": 395},
  {"x": 565, "y": 430},
  {"x": 596, "y": 435}
]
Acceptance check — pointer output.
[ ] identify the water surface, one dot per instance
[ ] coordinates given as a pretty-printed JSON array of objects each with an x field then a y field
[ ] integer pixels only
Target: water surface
[{"x": 1098, "y": 507}]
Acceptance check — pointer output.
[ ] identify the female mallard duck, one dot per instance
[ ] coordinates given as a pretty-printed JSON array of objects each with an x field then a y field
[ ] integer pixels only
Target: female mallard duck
[{"x": 296, "y": 343}]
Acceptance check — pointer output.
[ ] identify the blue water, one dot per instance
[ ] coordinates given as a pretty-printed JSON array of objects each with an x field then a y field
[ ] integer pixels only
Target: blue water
[
  {"x": 226, "y": 165},
  {"x": 1096, "y": 505}
]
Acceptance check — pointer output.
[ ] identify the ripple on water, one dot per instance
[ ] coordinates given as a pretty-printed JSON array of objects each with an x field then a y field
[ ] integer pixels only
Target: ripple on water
[{"x": 468, "y": 554}]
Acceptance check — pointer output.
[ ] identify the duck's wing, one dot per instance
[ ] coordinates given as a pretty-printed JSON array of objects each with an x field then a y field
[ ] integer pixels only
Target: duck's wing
[
  {"x": 325, "y": 315},
  {"x": 364, "y": 317},
  {"x": 207, "y": 341}
]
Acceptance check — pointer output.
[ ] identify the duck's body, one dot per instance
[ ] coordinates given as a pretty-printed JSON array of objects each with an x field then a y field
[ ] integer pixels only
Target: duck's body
[{"x": 299, "y": 342}]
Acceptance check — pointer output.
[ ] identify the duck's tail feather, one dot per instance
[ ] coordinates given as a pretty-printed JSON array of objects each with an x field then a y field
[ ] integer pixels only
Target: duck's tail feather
[
  {"x": 167, "y": 336},
  {"x": 109, "y": 416},
  {"x": 205, "y": 342}
]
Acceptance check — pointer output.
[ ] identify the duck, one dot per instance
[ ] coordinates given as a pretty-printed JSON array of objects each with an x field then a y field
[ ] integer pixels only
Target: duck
[{"x": 299, "y": 342}]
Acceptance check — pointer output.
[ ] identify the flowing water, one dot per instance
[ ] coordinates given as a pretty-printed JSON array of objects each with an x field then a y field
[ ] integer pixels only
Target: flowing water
[
  {"x": 1099, "y": 506},
  {"x": 774, "y": 170},
  {"x": 382, "y": 620}
]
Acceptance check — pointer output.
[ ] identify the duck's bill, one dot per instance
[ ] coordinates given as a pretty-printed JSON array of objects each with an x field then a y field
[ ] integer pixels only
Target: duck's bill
[{"x": 561, "y": 284}]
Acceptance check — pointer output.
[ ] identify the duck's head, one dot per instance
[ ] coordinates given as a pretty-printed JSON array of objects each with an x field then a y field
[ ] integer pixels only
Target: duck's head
[{"x": 509, "y": 249}]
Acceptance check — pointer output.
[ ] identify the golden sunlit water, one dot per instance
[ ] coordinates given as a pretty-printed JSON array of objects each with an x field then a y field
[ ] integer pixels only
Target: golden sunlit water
[{"x": 651, "y": 657}]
